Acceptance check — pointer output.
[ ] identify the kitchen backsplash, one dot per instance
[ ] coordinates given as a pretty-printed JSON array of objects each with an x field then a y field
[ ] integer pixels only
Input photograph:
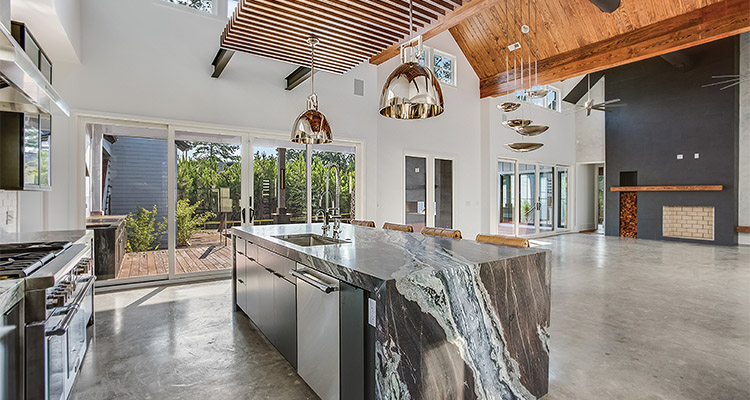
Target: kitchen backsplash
[{"x": 8, "y": 212}]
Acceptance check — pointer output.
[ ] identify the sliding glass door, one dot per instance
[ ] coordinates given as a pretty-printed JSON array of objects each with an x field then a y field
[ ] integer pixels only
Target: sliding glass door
[
  {"x": 527, "y": 217},
  {"x": 534, "y": 188},
  {"x": 209, "y": 192}
]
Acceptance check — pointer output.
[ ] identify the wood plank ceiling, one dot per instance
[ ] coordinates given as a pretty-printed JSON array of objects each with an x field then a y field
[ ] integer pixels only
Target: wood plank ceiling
[
  {"x": 350, "y": 31},
  {"x": 574, "y": 31}
]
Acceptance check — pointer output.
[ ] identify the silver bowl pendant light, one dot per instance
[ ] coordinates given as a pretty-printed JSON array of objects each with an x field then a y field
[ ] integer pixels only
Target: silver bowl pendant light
[
  {"x": 509, "y": 106},
  {"x": 411, "y": 91},
  {"x": 523, "y": 126},
  {"x": 311, "y": 127}
]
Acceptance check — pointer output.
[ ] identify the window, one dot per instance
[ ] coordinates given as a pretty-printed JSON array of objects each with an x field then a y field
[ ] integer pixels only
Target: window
[
  {"x": 424, "y": 57},
  {"x": 551, "y": 101},
  {"x": 444, "y": 66},
  {"x": 416, "y": 192},
  {"x": 443, "y": 193},
  {"x": 200, "y": 5},
  {"x": 231, "y": 6}
]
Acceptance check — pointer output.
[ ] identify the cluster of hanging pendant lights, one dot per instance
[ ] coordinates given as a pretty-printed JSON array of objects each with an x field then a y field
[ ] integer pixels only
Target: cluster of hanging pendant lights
[{"x": 522, "y": 126}]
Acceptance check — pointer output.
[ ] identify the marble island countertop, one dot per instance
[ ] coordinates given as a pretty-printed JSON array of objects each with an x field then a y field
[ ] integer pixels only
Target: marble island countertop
[
  {"x": 373, "y": 256},
  {"x": 454, "y": 318},
  {"x": 11, "y": 292}
]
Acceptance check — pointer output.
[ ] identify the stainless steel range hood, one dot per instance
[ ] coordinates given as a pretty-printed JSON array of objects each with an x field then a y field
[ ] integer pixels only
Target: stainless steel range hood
[{"x": 23, "y": 88}]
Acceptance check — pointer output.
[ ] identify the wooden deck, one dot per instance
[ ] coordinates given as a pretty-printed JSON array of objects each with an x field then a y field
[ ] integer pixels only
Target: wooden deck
[{"x": 189, "y": 259}]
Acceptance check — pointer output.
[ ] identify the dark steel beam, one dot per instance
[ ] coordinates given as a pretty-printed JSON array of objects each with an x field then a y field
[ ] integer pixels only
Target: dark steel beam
[
  {"x": 297, "y": 76},
  {"x": 220, "y": 61}
]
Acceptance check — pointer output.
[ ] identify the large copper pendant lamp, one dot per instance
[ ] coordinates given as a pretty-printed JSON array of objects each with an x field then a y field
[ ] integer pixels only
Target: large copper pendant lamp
[
  {"x": 311, "y": 127},
  {"x": 411, "y": 91}
]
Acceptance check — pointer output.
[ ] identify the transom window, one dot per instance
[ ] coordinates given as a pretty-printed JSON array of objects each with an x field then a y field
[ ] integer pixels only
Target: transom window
[
  {"x": 551, "y": 101},
  {"x": 200, "y": 5},
  {"x": 444, "y": 66}
]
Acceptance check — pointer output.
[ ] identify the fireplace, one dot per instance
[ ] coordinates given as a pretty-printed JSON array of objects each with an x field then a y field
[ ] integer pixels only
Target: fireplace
[{"x": 688, "y": 222}]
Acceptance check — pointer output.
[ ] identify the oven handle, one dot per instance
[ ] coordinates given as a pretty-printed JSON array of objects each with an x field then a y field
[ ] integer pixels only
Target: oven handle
[{"x": 62, "y": 327}]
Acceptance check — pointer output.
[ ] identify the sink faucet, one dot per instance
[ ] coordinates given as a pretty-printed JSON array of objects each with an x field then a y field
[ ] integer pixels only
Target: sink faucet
[
  {"x": 326, "y": 220},
  {"x": 334, "y": 210}
]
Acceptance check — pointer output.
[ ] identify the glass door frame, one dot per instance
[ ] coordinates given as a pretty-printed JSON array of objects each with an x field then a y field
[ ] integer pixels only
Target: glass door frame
[
  {"x": 247, "y": 136},
  {"x": 537, "y": 187},
  {"x": 245, "y": 189},
  {"x": 430, "y": 185}
]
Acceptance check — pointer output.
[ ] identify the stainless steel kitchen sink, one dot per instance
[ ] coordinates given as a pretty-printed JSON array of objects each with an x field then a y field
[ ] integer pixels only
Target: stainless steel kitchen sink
[{"x": 310, "y": 239}]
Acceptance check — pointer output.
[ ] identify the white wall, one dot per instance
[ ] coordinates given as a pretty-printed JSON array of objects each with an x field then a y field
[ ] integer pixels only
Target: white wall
[
  {"x": 153, "y": 61},
  {"x": 585, "y": 194},
  {"x": 455, "y": 134},
  {"x": 558, "y": 150},
  {"x": 54, "y": 23},
  {"x": 744, "y": 143},
  {"x": 8, "y": 212},
  {"x": 590, "y": 129}
]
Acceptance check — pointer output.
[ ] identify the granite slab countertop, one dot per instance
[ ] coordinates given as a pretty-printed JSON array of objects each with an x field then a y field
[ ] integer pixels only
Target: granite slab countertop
[
  {"x": 374, "y": 256},
  {"x": 74, "y": 236},
  {"x": 11, "y": 292}
]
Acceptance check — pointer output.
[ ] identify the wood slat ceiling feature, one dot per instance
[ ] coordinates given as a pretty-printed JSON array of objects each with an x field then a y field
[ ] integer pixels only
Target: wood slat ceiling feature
[
  {"x": 350, "y": 31},
  {"x": 564, "y": 26},
  {"x": 713, "y": 22}
]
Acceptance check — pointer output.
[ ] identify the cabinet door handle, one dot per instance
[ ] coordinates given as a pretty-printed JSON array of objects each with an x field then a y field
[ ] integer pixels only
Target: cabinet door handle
[
  {"x": 251, "y": 259},
  {"x": 241, "y": 281},
  {"x": 315, "y": 282}
]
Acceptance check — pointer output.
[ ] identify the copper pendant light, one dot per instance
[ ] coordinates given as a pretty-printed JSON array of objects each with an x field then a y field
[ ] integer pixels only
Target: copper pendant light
[
  {"x": 311, "y": 127},
  {"x": 411, "y": 91}
]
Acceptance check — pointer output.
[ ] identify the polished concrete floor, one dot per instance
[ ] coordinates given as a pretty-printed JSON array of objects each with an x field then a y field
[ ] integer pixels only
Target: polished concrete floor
[{"x": 631, "y": 319}]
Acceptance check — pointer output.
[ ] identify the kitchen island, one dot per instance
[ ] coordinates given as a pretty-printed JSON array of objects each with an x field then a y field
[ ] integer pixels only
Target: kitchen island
[{"x": 443, "y": 318}]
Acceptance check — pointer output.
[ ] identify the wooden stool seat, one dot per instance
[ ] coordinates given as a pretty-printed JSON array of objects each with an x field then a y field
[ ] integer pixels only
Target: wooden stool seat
[
  {"x": 360, "y": 222},
  {"x": 398, "y": 227},
  {"x": 504, "y": 240},
  {"x": 443, "y": 232}
]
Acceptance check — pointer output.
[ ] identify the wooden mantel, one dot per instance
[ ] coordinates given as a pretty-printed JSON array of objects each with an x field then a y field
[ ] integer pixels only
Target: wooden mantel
[{"x": 685, "y": 188}]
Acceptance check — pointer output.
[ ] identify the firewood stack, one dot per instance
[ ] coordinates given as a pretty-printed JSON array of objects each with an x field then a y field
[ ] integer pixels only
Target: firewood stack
[{"x": 629, "y": 214}]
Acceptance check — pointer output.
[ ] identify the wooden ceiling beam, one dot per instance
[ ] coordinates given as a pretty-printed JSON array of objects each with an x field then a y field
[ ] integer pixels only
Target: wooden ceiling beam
[
  {"x": 713, "y": 22},
  {"x": 443, "y": 23},
  {"x": 240, "y": 32},
  {"x": 299, "y": 30},
  {"x": 403, "y": 5},
  {"x": 344, "y": 18},
  {"x": 391, "y": 10},
  {"x": 317, "y": 22}
]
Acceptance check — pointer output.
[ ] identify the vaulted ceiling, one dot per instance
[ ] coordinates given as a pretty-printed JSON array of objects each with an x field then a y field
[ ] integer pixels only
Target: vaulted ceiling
[
  {"x": 350, "y": 31},
  {"x": 573, "y": 37}
]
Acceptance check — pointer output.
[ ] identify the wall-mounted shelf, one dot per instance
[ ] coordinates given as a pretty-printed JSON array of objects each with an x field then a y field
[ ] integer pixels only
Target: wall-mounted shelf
[
  {"x": 743, "y": 229},
  {"x": 685, "y": 188}
]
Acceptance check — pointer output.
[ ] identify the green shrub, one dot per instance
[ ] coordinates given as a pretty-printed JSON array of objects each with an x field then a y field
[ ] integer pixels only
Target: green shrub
[
  {"x": 188, "y": 223},
  {"x": 143, "y": 230}
]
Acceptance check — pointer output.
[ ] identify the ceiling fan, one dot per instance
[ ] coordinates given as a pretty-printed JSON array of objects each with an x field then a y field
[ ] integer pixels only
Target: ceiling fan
[
  {"x": 728, "y": 81},
  {"x": 589, "y": 105}
]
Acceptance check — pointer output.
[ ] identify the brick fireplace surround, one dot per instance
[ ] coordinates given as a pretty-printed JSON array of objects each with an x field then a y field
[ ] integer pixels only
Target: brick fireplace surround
[{"x": 688, "y": 222}]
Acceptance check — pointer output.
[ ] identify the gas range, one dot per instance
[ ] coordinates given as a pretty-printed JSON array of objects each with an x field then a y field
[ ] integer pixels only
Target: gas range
[
  {"x": 59, "y": 302},
  {"x": 22, "y": 259}
]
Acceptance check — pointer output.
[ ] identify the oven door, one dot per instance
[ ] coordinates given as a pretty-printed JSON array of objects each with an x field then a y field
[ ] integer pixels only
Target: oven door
[
  {"x": 11, "y": 353},
  {"x": 66, "y": 342}
]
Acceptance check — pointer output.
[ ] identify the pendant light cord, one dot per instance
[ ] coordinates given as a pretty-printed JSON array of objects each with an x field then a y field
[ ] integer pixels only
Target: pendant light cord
[
  {"x": 411, "y": 19},
  {"x": 312, "y": 67}
]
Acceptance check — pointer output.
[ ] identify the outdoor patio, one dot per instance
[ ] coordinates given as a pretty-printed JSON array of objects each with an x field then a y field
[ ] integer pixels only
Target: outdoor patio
[{"x": 206, "y": 253}]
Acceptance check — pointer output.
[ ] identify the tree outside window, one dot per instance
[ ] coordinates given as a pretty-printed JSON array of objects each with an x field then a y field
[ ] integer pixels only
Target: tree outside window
[
  {"x": 444, "y": 66},
  {"x": 200, "y": 5}
]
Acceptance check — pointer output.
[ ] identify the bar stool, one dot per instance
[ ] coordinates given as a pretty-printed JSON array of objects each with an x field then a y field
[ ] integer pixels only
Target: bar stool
[
  {"x": 398, "y": 227},
  {"x": 443, "y": 232},
  {"x": 360, "y": 222},
  {"x": 504, "y": 240}
]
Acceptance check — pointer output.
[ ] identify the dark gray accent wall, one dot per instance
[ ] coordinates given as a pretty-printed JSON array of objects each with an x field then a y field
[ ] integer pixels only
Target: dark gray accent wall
[{"x": 669, "y": 113}]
